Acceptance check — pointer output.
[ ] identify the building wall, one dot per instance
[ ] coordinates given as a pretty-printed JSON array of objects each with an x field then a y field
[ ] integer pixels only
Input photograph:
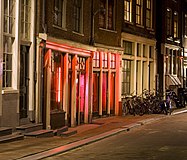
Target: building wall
[
  {"x": 105, "y": 36},
  {"x": 11, "y": 95},
  {"x": 67, "y": 32},
  {"x": 168, "y": 44}
]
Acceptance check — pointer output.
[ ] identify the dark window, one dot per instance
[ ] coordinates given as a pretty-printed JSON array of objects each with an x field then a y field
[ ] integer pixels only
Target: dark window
[
  {"x": 106, "y": 15},
  {"x": 77, "y": 15},
  {"x": 127, "y": 47},
  {"x": 58, "y": 12}
]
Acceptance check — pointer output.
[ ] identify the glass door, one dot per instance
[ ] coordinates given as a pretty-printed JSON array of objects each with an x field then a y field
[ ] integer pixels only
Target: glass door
[
  {"x": 95, "y": 94},
  {"x": 104, "y": 93}
]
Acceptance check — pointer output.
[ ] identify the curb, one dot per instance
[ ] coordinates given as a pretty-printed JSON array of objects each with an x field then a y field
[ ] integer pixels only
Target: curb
[{"x": 65, "y": 148}]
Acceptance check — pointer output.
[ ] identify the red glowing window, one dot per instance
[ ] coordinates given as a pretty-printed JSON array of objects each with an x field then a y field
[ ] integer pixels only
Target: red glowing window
[
  {"x": 96, "y": 60},
  {"x": 81, "y": 62},
  {"x": 69, "y": 62},
  {"x": 113, "y": 61},
  {"x": 105, "y": 60},
  {"x": 56, "y": 80}
]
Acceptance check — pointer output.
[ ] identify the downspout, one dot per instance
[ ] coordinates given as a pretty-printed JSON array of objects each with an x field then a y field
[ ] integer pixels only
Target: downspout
[
  {"x": 92, "y": 25},
  {"x": 43, "y": 114}
]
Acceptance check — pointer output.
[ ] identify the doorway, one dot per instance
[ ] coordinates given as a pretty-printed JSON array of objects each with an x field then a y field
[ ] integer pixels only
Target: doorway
[
  {"x": 24, "y": 82},
  {"x": 104, "y": 93},
  {"x": 80, "y": 97},
  {"x": 112, "y": 93},
  {"x": 95, "y": 94}
]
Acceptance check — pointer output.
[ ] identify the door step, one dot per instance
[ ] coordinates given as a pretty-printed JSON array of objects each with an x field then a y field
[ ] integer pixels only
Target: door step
[
  {"x": 6, "y": 135},
  {"x": 57, "y": 132},
  {"x": 40, "y": 133},
  {"x": 5, "y": 131},
  {"x": 29, "y": 128},
  {"x": 68, "y": 133},
  {"x": 12, "y": 137}
]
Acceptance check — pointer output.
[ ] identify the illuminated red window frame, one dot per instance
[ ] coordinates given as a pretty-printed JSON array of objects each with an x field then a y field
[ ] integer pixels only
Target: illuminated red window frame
[
  {"x": 96, "y": 59},
  {"x": 69, "y": 62},
  {"x": 113, "y": 61},
  {"x": 81, "y": 63},
  {"x": 105, "y": 60}
]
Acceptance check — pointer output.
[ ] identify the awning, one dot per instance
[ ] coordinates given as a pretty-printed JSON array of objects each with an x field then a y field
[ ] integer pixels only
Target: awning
[{"x": 172, "y": 80}]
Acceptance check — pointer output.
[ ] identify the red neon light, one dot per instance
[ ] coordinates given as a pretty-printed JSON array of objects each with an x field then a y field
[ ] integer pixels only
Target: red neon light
[{"x": 58, "y": 85}]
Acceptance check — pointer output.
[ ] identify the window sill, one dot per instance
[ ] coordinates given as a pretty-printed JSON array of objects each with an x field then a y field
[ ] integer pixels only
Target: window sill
[
  {"x": 138, "y": 25},
  {"x": 9, "y": 91},
  {"x": 80, "y": 34},
  {"x": 127, "y": 22},
  {"x": 61, "y": 28},
  {"x": 108, "y": 30}
]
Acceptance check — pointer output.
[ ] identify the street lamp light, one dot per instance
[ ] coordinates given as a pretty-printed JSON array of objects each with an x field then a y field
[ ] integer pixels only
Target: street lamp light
[{"x": 94, "y": 13}]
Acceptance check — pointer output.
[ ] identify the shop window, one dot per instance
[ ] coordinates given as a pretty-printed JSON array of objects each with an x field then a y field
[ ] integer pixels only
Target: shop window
[
  {"x": 96, "y": 60},
  {"x": 81, "y": 63},
  {"x": 69, "y": 62},
  {"x": 105, "y": 60},
  {"x": 107, "y": 17},
  {"x": 56, "y": 80},
  {"x": 128, "y": 10},
  {"x": 25, "y": 19},
  {"x": 127, "y": 47},
  {"x": 113, "y": 61},
  {"x": 126, "y": 67},
  {"x": 59, "y": 11},
  {"x": 77, "y": 16}
]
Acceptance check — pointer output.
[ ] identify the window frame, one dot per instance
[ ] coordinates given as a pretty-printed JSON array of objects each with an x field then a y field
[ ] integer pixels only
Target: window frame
[
  {"x": 149, "y": 13},
  {"x": 25, "y": 19},
  {"x": 126, "y": 73},
  {"x": 107, "y": 20},
  {"x": 127, "y": 45},
  {"x": 62, "y": 17},
  {"x": 112, "y": 61},
  {"x": 139, "y": 12},
  {"x": 169, "y": 22},
  {"x": 175, "y": 25},
  {"x": 96, "y": 60},
  {"x": 105, "y": 60},
  {"x": 78, "y": 16},
  {"x": 128, "y": 10}
]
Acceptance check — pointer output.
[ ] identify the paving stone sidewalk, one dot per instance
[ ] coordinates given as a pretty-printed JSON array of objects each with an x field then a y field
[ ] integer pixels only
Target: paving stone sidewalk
[{"x": 98, "y": 129}]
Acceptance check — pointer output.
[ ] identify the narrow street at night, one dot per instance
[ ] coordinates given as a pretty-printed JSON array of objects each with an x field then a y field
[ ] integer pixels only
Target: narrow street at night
[{"x": 162, "y": 140}]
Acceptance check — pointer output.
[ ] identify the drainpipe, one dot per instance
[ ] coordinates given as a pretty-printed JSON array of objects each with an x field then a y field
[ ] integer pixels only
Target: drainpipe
[{"x": 42, "y": 58}]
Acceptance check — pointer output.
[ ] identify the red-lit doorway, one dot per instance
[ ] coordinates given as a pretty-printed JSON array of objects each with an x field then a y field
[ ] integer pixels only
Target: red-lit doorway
[
  {"x": 69, "y": 110},
  {"x": 104, "y": 93},
  {"x": 80, "y": 90},
  {"x": 112, "y": 93},
  {"x": 95, "y": 94},
  {"x": 80, "y": 97}
]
